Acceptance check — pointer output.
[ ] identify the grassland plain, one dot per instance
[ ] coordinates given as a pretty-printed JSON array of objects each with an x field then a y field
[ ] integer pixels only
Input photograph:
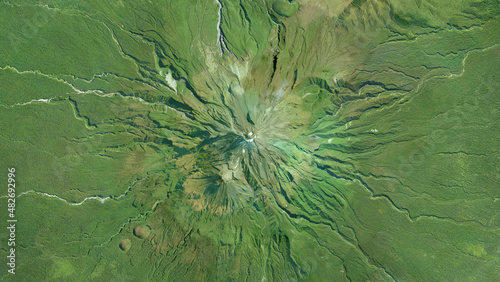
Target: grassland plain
[{"x": 251, "y": 140}]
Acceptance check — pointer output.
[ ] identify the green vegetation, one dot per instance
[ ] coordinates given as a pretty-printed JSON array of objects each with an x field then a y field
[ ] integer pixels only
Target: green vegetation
[{"x": 270, "y": 140}]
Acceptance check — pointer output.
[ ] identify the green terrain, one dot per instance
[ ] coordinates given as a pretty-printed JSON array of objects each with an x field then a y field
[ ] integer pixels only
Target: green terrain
[{"x": 251, "y": 140}]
